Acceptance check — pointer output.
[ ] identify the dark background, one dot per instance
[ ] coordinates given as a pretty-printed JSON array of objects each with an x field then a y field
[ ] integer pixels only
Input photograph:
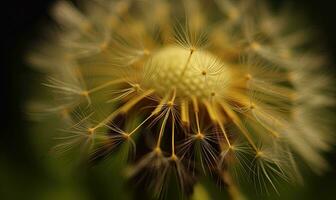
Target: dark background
[{"x": 20, "y": 168}]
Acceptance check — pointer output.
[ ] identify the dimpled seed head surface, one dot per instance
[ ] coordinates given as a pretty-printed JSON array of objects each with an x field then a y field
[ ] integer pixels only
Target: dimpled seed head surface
[{"x": 201, "y": 76}]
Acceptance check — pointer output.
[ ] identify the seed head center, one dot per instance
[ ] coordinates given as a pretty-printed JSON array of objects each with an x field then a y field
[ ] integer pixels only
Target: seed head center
[{"x": 199, "y": 74}]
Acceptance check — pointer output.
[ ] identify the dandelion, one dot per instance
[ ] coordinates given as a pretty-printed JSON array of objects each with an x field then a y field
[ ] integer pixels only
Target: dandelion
[{"x": 222, "y": 88}]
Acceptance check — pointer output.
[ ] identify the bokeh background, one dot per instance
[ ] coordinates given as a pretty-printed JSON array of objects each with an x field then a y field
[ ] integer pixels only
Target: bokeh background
[{"x": 27, "y": 168}]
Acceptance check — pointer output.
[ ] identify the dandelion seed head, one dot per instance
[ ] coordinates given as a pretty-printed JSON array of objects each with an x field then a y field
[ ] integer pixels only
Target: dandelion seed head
[{"x": 225, "y": 88}]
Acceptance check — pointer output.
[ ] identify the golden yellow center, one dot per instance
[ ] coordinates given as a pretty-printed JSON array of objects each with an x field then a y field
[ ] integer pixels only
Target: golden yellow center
[{"x": 198, "y": 73}]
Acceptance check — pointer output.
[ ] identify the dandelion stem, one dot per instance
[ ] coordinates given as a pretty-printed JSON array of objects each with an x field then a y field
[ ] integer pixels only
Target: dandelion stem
[
  {"x": 106, "y": 85},
  {"x": 156, "y": 110},
  {"x": 187, "y": 63},
  {"x": 169, "y": 110},
  {"x": 196, "y": 110},
  {"x": 185, "y": 112},
  {"x": 221, "y": 126},
  {"x": 163, "y": 125},
  {"x": 173, "y": 136},
  {"x": 128, "y": 105},
  {"x": 134, "y": 101},
  {"x": 267, "y": 127},
  {"x": 142, "y": 123},
  {"x": 160, "y": 106},
  {"x": 174, "y": 95},
  {"x": 123, "y": 94},
  {"x": 239, "y": 124},
  {"x": 211, "y": 112}
]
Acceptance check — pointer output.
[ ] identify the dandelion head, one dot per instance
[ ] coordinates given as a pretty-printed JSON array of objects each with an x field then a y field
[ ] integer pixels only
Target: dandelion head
[{"x": 185, "y": 89}]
